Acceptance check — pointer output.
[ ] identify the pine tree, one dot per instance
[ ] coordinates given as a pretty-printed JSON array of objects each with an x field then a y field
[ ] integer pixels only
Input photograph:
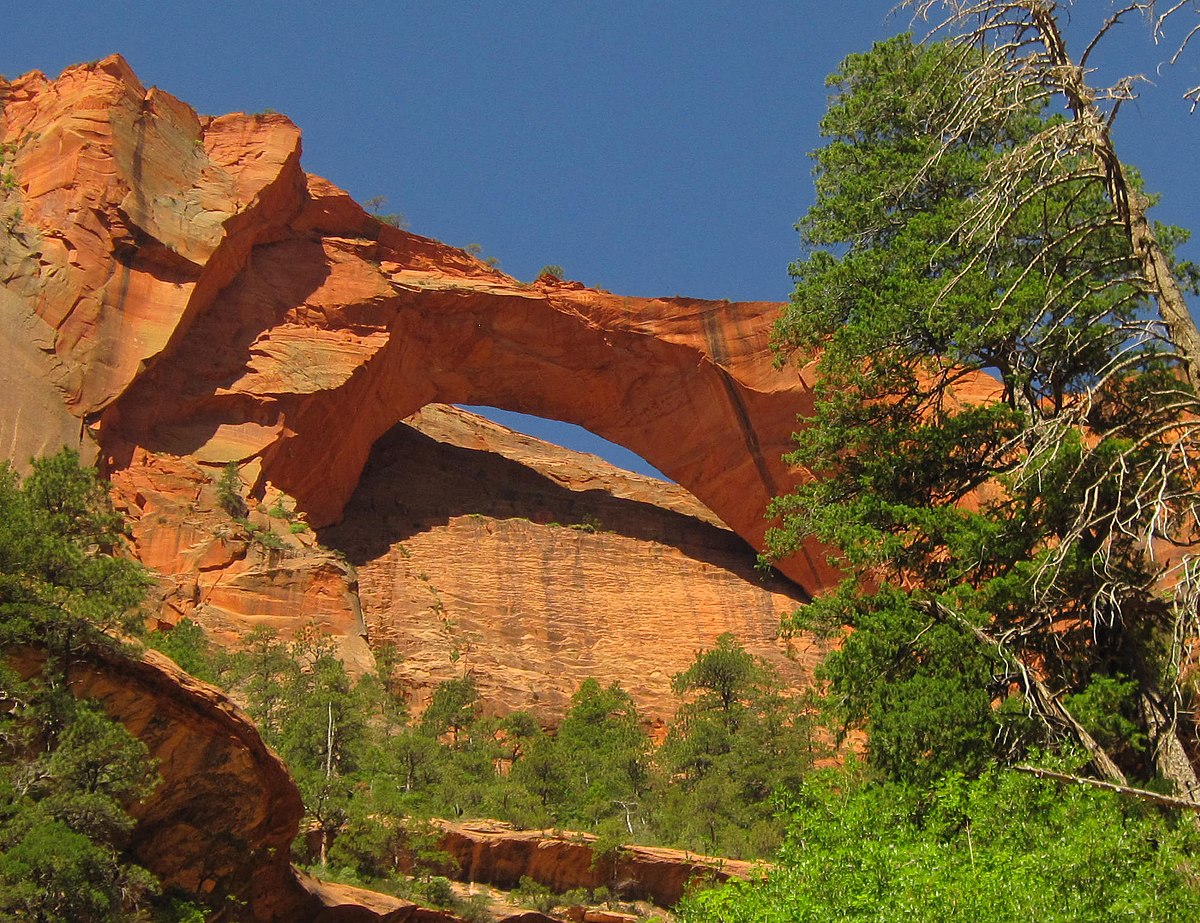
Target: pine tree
[{"x": 997, "y": 437}]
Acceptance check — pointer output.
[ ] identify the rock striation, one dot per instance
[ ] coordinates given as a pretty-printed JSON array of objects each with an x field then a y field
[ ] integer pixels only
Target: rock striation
[
  {"x": 533, "y": 568},
  {"x": 217, "y": 775},
  {"x": 178, "y": 294}
]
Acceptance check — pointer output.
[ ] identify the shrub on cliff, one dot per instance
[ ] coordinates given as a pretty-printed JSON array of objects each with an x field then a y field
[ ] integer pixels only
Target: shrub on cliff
[{"x": 63, "y": 582}]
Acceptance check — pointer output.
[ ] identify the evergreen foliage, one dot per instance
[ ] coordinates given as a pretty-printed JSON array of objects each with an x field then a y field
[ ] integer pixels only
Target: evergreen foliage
[
  {"x": 62, "y": 582},
  {"x": 372, "y": 777},
  {"x": 736, "y": 741},
  {"x": 68, "y": 773},
  {"x": 983, "y": 532}
]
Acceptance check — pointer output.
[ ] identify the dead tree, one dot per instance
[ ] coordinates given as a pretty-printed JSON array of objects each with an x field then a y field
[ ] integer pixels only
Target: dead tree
[{"x": 1015, "y": 52}]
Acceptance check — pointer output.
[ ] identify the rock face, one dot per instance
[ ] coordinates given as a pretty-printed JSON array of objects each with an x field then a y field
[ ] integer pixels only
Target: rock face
[
  {"x": 534, "y": 568},
  {"x": 498, "y": 854},
  {"x": 329, "y": 902},
  {"x": 177, "y": 295},
  {"x": 185, "y": 289},
  {"x": 217, "y": 775}
]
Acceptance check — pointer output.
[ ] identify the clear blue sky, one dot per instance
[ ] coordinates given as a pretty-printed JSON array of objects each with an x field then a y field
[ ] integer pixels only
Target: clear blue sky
[{"x": 649, "y": 148}]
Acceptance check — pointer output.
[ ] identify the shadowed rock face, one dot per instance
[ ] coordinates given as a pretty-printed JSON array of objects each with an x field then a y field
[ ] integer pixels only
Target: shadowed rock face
[
  {"x": 184, "y": 288},
  {"x": 534, "y": 568}
]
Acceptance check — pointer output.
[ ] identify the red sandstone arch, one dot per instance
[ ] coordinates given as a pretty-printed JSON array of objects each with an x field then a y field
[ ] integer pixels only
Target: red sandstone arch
[
  {"x": 343, "y": 338},
  {"x": 202, "y": 296}
]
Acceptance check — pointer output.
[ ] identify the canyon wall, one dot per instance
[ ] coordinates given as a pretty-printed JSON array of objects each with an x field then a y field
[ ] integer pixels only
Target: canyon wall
[
  {"x": 181, "y": 302},
  {"x": 179, "y": 295}
]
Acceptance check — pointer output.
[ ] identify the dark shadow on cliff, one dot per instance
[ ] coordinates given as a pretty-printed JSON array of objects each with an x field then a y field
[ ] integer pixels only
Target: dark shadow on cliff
[
  {"x": 181, "y": 401},
  {"x": 413, "y": 483}
]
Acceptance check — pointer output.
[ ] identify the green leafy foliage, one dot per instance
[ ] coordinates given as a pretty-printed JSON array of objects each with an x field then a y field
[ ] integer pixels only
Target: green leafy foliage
[
  {"x": 187, "y": 645},
  {"x": 1002, "y": 848},
  {"x": 68, "y": 773},
  {"x": 371, "y": 776},
  {"x": 594, "y": 773},
  {"x": 229, "y": 492},
  {"x": 62, "y": 582},
  {"x": 983, "y": 530},
  {"x": 736, "y": 741}
]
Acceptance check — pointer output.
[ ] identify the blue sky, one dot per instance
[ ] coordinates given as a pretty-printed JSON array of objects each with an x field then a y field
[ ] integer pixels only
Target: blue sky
[{"x": 649, "y": 148}]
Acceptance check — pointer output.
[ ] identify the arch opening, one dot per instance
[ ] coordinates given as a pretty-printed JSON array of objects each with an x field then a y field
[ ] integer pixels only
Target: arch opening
[
  {"x": 568, "y": 436},
  {"x": 482, "y": 551}
]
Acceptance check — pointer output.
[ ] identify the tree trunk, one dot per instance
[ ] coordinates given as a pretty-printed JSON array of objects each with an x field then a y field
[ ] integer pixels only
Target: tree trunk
[
  {"x": 1130, "y": 205},
  {"x": 1170, "y": 757},
  {"x": 1172, "y": 307}
]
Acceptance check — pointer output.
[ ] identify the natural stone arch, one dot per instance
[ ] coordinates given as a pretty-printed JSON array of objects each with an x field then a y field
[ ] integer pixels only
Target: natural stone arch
[
  {"x": 231, "y": 307},
  {"x": 341, "y": 338}
]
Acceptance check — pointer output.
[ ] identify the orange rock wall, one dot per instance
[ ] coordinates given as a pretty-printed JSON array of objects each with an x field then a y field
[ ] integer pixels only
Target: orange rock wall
[
  {"x": 191, "y": 292},
  {"x": 487, "y": 851},
  {"x": 217, "y": 775},
  {"x": 533, "y": 568}
]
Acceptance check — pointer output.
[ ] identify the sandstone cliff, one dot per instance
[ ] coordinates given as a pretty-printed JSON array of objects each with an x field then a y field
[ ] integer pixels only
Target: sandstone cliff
[
  {"x": 534, "y": 568},
  {"x": 186, "y": 289},
  {"x": 178, "y": 294}
]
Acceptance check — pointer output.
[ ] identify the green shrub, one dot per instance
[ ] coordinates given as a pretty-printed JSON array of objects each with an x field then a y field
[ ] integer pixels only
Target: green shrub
[
  {"x": 534, "y": 895},
  {"x": 1003, "y": 848},
  {"x": 229, "y": 492},
  {"x": 438, "y": 891}
]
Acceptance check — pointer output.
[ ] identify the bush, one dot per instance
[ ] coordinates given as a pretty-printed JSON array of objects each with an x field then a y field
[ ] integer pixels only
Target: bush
[
  {"x": 438, "y": 891},
  {"x": 229, "y": 492},
  {"x": 1003, "y": 848},
  {"x": 534, "y": 895}
]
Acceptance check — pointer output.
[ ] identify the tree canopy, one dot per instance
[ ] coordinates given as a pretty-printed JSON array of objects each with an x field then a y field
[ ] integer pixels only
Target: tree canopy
[
  {"x": 68, "y": 773},
  {"x": 1000, "y": 452}
]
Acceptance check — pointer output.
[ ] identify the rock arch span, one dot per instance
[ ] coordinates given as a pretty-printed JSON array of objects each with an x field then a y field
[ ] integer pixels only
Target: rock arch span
[{"x": 188, "y": 290}]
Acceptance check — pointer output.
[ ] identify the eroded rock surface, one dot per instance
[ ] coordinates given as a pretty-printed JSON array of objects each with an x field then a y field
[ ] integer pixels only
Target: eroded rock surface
[
  {"x": 498, "y": 854},
  {"x": 191, "y": 292},
  {"x": 221, "y": 822},
  {"x": 534, "y": 568},
  {"x": 177, "y": 294}
]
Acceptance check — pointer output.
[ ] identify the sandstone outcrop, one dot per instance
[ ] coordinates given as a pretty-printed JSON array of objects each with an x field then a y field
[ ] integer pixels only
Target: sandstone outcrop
[
  {"x": 217, "y": 775},
  {"x": 336, "y": 903},
  {"x": 533, "y": 568},
  {"x": 177, "y": 294},
  {"x": 496, "y": 853},
  {"x": 226, "y": 577}
]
